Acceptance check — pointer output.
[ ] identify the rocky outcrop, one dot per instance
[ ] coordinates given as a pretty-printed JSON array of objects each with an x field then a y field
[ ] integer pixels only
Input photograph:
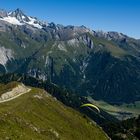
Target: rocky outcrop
[{"x": 14, "y": 93}]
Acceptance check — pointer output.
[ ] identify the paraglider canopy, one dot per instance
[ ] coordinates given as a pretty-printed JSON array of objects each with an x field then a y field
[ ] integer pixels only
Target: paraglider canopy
[{"x": 91, "y": 105}]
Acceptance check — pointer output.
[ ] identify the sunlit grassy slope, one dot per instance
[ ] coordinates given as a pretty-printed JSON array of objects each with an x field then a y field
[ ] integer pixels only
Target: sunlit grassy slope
[{"x": 38, "y": 116}]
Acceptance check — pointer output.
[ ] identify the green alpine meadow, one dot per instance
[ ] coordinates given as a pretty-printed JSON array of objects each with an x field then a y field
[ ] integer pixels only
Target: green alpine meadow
[{"x": 37, "y": 115}]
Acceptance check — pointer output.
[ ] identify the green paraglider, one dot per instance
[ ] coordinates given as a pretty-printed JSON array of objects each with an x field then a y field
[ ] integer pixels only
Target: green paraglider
[{"x": 90, "y": 105}]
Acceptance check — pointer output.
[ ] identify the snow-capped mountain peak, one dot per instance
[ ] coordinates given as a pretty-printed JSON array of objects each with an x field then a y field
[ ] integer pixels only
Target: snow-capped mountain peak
[{"x": 17, "y": 17}]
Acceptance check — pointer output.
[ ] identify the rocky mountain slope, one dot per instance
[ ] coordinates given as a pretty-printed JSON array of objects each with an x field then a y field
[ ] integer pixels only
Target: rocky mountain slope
[
  {"x": 105, "y": 66},
  {"x": 15, "y": 92},
  {"x": 37, "y": 115}
]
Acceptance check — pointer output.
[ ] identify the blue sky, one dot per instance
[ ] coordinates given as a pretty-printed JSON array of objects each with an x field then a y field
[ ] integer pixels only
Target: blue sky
[{"x": 107, "y": 15}]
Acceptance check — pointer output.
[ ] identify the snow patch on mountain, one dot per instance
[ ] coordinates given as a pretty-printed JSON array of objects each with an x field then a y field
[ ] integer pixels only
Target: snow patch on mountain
[
  {"x": 17, "y": 17},
  {"x": 11, "y": 20},
  {"x": 15, "y": 21},
  {"x": 33, "y": 22}
]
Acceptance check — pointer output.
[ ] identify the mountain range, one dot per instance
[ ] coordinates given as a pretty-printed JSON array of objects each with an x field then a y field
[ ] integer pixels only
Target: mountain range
[
  {"x": 72, "y": 65},
  {"x": 102, "y": 65}
]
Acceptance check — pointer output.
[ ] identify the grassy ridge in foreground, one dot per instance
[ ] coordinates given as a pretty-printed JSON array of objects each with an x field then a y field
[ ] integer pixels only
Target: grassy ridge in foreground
[{"x": 38, "y": 116}]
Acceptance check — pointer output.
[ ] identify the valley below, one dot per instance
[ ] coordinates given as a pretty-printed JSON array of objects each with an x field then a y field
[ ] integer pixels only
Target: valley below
[{"x": 121, "y": 112}]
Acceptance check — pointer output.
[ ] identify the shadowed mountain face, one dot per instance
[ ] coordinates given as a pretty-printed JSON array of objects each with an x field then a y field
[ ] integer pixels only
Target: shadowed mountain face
[{"x": 105, "y": 66}]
